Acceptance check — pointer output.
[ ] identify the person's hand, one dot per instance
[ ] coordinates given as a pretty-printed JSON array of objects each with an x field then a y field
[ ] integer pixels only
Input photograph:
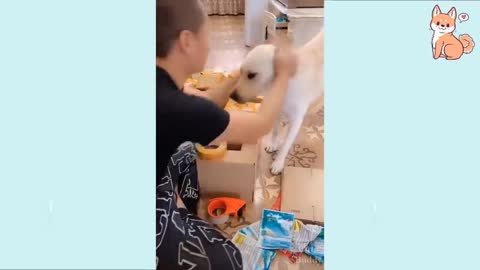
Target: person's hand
[
  {"x": 285, "y": 60},
  {"x": 188, "y": 88}
]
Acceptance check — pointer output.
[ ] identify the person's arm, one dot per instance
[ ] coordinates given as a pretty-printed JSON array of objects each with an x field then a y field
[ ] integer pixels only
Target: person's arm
[
  {"x": 245, "y": 127},
  {"x": 218, "y": 95}
]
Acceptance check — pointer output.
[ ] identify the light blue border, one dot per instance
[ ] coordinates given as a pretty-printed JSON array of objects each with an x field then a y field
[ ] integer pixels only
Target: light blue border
[
  {"x": 77, "y": 135},
  {"x": 402, "y": 140}
]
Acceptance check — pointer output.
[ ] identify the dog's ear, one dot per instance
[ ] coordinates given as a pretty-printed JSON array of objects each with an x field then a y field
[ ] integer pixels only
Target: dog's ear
[
  {"x": 452, "y": 13},
  {"x": 436, "y": 11}
]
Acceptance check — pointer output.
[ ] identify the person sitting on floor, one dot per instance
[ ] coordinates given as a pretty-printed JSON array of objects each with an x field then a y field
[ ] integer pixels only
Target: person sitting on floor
[{"x": 187, "y": 116}]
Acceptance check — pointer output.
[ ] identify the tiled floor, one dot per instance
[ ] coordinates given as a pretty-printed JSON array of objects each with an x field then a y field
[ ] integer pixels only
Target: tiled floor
[
  {"x": 227, "y": 53},
  {"x": 227, "y": 48}
]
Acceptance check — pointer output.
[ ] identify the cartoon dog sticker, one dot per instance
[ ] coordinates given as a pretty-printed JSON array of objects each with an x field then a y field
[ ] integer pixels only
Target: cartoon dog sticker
[{"x": 444, "y": 42}]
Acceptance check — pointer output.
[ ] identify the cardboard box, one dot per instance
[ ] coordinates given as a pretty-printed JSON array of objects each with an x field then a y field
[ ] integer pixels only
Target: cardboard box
[
  {"x": 302, "y": 193},
  {"x": 233, "y": 176}
]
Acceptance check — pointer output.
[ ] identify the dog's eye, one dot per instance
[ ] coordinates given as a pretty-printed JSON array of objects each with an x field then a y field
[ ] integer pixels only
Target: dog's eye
[
  {"x": 448, "y": 25},
  {"x": 438, "y": 23},
  {"x": 251, "y": 75}
]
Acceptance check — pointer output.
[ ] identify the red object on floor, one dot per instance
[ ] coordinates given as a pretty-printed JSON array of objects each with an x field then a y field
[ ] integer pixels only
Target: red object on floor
[
  {"x": 231, "y": 206},
  {"x": 292, "y": 256},
  {"x": 278, "y": 203}
]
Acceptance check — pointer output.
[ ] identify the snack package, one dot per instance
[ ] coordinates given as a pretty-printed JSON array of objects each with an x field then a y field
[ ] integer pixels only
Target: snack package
[
  {"x": 252, "y": 230},
  {"x": 302, "y": 235},
  {"x": 248, "y": 107},
  {"x": 208, "y": 79},
  {"x": 276, "y": 230},
  {"x": 316, "y": 248},
  {"x": 254, "y": 258},
  {"x": 267, "y": 258}
]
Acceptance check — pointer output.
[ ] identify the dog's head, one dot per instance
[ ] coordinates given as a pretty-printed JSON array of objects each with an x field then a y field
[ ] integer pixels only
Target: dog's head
[
  {"x": 256, "y": 74},
  {"x": 443, "y": 22}
]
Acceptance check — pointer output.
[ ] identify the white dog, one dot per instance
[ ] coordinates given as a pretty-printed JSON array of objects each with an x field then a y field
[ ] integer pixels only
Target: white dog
[{"x": 304, "y": 88}]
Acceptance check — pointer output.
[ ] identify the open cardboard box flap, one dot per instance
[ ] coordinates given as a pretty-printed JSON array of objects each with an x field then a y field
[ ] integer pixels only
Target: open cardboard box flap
[{"x": 302, "y": 193}]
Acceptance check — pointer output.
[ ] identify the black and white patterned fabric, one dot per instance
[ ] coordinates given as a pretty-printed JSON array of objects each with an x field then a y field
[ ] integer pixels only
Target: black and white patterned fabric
[{"x": 184, "y": 241}]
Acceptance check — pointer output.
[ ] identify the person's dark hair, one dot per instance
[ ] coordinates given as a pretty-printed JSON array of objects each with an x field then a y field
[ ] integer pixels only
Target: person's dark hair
[{"x": 173, "y": 17}]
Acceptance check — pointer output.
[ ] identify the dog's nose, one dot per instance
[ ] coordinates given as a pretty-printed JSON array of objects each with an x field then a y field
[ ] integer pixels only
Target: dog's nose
[
  {"x": 235, "y": 96},
  {"x": 443, "y": 25}
]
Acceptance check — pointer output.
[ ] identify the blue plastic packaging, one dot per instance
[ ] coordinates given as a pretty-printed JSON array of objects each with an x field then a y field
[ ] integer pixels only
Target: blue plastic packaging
[
  {"x": 316, "y": 248},
  {"x": 276, "y": 230}
]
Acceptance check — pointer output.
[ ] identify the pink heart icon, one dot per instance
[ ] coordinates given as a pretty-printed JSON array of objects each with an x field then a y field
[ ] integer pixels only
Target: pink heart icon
[{"x": 463, "y": 16}]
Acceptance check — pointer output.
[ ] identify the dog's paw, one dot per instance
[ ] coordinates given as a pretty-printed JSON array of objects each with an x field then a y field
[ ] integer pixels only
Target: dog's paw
[
  {"x": 272, "y": 145},
  {"x": 277, "y": 166},
  {"x": 271, "y": 148}
]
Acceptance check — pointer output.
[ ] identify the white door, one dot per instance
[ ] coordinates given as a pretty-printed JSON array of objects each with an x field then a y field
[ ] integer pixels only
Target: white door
[{"x": 254, "y": 25}]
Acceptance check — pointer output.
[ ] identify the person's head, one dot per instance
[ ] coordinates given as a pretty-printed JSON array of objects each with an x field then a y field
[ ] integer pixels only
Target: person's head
[{"x": 182, "y": 33}]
